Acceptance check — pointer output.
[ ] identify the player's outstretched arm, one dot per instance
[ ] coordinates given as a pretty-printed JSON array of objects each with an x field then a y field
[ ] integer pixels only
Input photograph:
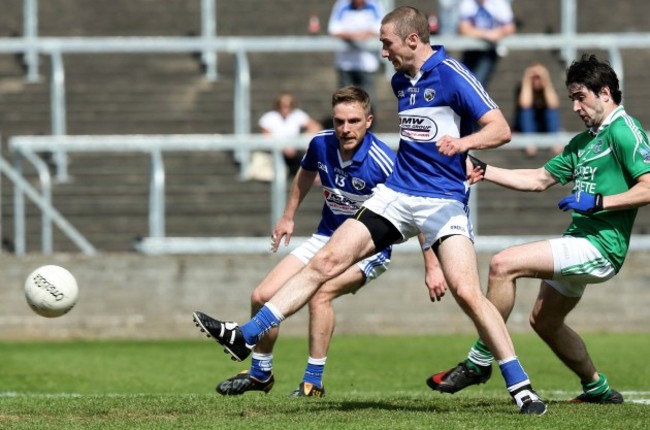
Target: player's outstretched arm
[
  {"x": 516, "y": 179},
  {"x": 300, "y": 186}
]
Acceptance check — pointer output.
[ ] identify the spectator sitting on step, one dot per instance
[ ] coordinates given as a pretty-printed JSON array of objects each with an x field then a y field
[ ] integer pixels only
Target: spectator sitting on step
[
  {"x": 537, "y": 105},
  {"x": 285, "y": 120}
]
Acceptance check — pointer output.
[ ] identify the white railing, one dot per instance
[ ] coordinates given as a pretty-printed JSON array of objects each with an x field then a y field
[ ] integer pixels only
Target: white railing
[
  {"x": 26, "y": 147},
  {"x": 240, "y": 47}
]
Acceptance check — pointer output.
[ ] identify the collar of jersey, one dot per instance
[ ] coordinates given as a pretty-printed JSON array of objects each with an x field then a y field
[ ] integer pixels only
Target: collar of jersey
[
  {"x": 436, "y": 58},
  {"x": 619, "y": 111}
]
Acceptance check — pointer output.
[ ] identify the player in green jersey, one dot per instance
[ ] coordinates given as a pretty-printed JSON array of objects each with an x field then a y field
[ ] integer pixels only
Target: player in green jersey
[{"x": 609, "y": 166}]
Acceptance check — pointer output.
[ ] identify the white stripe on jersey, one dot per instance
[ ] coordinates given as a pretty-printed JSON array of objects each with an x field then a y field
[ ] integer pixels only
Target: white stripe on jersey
[
  {"x": 637, "y": 134},
  {"x": 327, "y": 132},
  {"x": 381, "y": 158},
  {"x": 471, "y": 79}
]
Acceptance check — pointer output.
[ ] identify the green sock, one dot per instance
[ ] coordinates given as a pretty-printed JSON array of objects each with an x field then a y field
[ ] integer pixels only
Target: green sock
[
  {"x": 599, "y": 388},
  {"x": 479, "y": 357}
]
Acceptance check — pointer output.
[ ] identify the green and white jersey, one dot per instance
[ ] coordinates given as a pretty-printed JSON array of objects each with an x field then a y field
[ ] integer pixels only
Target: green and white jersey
[{"x": 608, "y": 162}]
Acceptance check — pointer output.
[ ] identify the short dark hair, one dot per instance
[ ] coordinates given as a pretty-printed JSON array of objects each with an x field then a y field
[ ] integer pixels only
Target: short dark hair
[
  {"x": 351, "y": 94},
  {"x": 408, "y": 20},
  {"x": 594, "y": 75}
]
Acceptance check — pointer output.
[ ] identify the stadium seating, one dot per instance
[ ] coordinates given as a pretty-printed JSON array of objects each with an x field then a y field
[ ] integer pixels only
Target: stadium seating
[{"x": 167, "y": 93}]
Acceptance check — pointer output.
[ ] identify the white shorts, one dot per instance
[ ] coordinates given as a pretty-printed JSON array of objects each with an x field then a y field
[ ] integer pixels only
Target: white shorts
[
  {"x": 434, "y": 217},
  {"x": 576, "y": 263},
  {"x": 372, "y": 266}
]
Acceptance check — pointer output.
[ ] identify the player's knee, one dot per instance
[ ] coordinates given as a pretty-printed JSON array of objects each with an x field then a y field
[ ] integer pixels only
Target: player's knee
[
  {"x": 320, "y": 299},
  {"x": 544, "y": 326},
  {"x": 326, "y": 264},
  {"x": 258, "y": 298},
  {"x": 500, "y": 266},
  {"x": 469, "y": 299}
]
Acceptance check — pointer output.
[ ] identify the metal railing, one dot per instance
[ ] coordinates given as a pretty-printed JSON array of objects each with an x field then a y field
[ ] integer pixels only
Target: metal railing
[
  {"x": 26, "y": 148},
  {"x": 240, "y": 47}
]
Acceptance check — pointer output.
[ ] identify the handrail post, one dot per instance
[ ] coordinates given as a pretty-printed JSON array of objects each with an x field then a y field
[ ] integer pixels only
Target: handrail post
[
  {"x": 473, "y": 209},
  {"x": 57, "y": 103},
  {"x": 278, "y": 186},
  {"x": 569, "y": 29},
  {"x": 242, "y": 108},
  {"x": 209, "y": 32},
  {"x": 616, "y": 60},
  {"x": 19, "y": 210},
  {"x": 30, "y": 34},
  {"x": 45, "y": 180},
  {"x": 157, "y": 195}
]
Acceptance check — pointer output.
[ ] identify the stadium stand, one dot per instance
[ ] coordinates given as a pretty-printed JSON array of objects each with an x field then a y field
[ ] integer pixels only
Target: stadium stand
[{"x": 168, "y": 93}]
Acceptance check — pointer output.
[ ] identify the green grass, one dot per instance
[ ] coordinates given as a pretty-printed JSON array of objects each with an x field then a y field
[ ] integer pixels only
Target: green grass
[{"x": 372, "y": 383}]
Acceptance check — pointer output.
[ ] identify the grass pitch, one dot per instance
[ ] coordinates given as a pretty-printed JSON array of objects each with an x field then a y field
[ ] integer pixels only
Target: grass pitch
[{"x": 372, "y": 382}]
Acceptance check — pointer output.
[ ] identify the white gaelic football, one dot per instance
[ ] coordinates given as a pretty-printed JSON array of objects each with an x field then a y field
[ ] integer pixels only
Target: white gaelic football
[{"x": 51, "y": 291}]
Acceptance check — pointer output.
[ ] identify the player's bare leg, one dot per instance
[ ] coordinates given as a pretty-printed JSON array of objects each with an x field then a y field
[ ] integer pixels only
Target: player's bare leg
[
  {"x": 458, "y": 260},
  {"x": 260, "y": 376},
  {"x": 322, "y": 321},
  {"x": 349, "y": 243},
  {"x": 548, "y": 319},
  {"x": 531, "y": 260}
]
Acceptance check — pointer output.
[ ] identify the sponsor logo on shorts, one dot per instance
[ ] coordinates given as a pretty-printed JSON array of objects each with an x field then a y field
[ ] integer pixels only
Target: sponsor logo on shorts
[{"x": 459, "y": 228}]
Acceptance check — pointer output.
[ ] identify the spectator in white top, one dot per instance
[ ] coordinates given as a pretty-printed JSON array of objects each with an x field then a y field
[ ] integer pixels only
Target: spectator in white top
[
  {"x": 285, "y": 120},
  {"x": 489, "y": 20},
  {"x": 356, "y": 21}
]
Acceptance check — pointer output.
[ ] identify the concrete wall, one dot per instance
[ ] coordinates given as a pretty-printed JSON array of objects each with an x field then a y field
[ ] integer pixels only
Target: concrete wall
[{"x": 134, "y": 296}]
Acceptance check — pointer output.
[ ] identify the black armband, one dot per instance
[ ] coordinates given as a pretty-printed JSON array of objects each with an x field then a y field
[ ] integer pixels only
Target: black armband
[
  {"x": 477, "y": 163},
  {"x": 598, "y": 203}
]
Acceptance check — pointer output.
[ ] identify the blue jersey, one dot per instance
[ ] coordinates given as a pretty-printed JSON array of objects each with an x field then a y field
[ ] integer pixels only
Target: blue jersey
[
  {"x": 444, "y": 99},
  {"x": 346, "y": 184}
]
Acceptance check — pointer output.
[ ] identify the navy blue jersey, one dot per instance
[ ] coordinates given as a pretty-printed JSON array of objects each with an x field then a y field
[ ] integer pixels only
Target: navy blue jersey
[
  {"x": 444, "y": 99},
  {"x": 346, "y": 185}
]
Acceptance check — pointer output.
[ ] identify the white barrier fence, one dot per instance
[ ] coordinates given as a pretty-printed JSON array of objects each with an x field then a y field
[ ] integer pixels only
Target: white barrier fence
[{"x": 25, "y": 148}]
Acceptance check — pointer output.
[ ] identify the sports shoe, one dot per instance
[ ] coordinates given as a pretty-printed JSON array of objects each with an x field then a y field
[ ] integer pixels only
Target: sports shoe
[
  {"x": 227, "y": 334},
  {"x": 306, "y": 389},
  {"x": 243, "y": 382},
  {"x": 455, "y": 379},
  {"x": 528, "y": 401},
  {"x": 614, "y": 398},
  {"x": 533, "y": 407}
]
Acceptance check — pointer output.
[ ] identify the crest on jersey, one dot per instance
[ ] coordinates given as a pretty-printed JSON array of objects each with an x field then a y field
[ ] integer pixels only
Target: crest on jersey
[
  {"x": 598, "y": 147},
  {"x": 358, "y": 184},
  {"x": 429, "y": 94},
  {"x": 645, "y": 153}
]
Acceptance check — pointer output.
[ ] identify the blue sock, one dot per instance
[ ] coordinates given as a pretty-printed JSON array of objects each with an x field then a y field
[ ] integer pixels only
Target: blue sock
[
  {"x": 514, "y": 374},
  {"x": 263, "y": 321},
  {"x": 261, "y": 366},
  {"x": 314, "y": 371}
]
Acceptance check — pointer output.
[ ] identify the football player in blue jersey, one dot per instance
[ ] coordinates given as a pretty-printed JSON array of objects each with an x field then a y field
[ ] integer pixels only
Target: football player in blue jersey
[
  {"x": 439, "y": 100},
  {"x": 350, "y": 161}
]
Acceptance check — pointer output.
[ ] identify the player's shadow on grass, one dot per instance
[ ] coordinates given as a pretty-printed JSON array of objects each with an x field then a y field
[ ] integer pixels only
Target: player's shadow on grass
[{"x": 431, "y": 405}]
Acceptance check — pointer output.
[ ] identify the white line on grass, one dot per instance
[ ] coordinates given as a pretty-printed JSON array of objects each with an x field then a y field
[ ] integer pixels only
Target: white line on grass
[{"x": 638, "y": 397}]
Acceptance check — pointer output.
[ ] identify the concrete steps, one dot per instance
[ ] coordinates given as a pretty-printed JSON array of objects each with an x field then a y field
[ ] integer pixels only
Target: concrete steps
[{"x": 167, "y": 93}]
